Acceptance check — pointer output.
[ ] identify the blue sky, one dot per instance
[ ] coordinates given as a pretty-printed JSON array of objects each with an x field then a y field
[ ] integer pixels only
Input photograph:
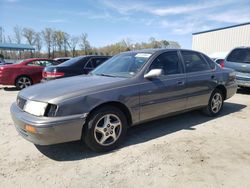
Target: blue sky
[{"x": 109, "y": 21}]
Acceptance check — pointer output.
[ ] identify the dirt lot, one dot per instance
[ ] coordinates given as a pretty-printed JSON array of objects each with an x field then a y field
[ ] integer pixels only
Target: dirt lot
[{"x": 188, "y": 150}]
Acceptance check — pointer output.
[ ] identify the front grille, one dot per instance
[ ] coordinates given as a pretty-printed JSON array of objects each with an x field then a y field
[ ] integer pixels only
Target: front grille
[{"x": 20, "y": 102}]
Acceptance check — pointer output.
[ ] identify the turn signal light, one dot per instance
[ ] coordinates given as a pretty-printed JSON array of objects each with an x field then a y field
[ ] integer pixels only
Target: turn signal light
[{"x": 30, "y": 129}]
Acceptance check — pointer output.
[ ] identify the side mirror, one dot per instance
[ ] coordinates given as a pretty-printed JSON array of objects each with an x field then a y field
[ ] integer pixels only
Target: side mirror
[{"x": 154, "y": 73}]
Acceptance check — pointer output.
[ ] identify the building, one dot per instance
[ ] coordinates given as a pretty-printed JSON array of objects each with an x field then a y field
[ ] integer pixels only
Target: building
[{"x": 218, "y": 42}]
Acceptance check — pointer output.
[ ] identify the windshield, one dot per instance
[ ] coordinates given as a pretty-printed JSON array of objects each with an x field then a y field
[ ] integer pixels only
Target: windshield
[
  {"x": 70, "y": 62},
  {"x": 122, "y": 65}
]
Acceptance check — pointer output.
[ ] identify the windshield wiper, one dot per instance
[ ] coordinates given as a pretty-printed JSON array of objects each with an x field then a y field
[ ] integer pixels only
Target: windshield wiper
[{"x": 108, "y": 75}]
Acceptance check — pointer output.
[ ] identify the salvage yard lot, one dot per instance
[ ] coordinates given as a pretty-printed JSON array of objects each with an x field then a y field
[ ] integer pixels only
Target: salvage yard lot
[{"x": 188, "y": 150}]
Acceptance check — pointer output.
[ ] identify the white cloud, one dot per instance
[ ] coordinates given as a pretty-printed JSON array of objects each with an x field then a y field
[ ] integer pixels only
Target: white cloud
[
  {"x": 235, "y": 16},
  {"x": 135, "y": 6}
]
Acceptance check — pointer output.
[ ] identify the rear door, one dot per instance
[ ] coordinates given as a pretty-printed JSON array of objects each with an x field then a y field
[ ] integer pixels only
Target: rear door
[
  {"x": 201, "y": 78},
  {"x": 165, "y": 94}
]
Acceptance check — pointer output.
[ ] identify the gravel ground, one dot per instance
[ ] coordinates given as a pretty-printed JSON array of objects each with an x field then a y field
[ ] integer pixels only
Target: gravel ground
[{"x": 188, "y": 150}]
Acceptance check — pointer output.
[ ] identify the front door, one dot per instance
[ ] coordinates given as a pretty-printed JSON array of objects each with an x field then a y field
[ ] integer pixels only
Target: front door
[{"x": 165, "y": 94}]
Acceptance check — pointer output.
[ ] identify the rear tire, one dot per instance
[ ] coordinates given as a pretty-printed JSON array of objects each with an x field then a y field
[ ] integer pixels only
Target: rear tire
[
  {"x": 105, "y": 129},
  {"x": 215, "y": 103},
  {"x": 23, "y": 82}
]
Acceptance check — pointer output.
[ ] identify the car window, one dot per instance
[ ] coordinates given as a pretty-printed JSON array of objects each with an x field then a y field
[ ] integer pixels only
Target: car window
[
  {"x": 49, "y": 63},
  {"x": 210, "y": 61},
  {"x": 98, "y": 61},
  {"x": 34, "y": 63},
  {"x": 169, "y": 62},
  {"x": 89, "y": 64},
  {"x": 239, "y": 55},
  {"x": 194, "y": 62}
]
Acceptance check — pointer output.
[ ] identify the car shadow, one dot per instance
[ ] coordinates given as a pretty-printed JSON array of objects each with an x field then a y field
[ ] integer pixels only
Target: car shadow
[
  {"x": 10, "y": 89},
  {"x": 138, "y": 134},
  {"x": 244, "y": 91}
]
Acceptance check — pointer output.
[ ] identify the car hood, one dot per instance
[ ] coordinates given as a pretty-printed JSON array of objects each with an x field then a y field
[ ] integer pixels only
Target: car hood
[{"x": 61, "y": 89}]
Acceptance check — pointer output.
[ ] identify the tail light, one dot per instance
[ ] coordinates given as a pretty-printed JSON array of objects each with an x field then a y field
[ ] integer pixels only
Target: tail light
[
  {"x": 222, "y": 63},
  {"x": 52, "y": 74}
]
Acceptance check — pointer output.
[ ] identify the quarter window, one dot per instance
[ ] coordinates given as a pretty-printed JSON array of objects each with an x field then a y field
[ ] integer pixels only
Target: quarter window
[
  {"x": 169, "y": 62},
  {"x": 194, "y": 62}
]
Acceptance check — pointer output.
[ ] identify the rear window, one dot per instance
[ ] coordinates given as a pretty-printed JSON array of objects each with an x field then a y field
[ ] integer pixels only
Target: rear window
[
  {"x": 239, "y": 55},
  {"x": 71, "y": 61}
]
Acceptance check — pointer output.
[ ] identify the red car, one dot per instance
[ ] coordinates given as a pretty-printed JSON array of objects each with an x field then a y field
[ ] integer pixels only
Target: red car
[{"x": 24, "y": 73}]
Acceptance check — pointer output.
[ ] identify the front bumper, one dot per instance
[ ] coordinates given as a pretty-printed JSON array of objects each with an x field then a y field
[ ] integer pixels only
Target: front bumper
[
  {"x": 49, "y": 130},
  {"x": 243, "y": 81}
]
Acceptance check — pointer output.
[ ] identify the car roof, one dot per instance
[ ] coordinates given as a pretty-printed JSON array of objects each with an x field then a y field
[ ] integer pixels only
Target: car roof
[{"x": 154, "y": 50}]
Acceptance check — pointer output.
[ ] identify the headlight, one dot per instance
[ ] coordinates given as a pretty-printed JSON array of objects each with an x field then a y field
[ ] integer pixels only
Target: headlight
[{"x": 35, "y": 108}]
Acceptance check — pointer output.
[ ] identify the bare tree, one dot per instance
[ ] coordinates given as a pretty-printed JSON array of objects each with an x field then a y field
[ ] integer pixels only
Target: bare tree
[
  {"x": 1, "y": 35},
  {"x": 48, "y": 37},
  {"x": 85, "y": 43},
  {"x": 73, "y": 41},
  {"x": 38, "y": 42},
  {"x": 65, "y": 42},
  {"x": 18, "y": 34},
  {"x": 30, "y": 35}
]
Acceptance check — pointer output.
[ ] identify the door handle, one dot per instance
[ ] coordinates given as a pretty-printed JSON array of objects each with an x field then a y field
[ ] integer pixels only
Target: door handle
[{"x": 180, "y": 83}]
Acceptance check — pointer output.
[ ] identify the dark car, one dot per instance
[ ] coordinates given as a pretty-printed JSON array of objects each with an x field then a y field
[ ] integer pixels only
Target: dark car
[
  {"x": 128, "y": 89},
  {"x": 239, "y": 60},
  {"x": 73, "y": 67},
  {"x": 25, "y": 72},
  {"x": 62, "y": 59}
]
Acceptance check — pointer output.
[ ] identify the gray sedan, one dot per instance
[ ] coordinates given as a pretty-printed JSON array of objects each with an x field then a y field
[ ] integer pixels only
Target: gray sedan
[{"x": 128, "y": 89}]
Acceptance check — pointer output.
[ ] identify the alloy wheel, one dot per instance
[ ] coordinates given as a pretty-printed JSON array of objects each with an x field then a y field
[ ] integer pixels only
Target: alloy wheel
[
  {"x": 216, "y": 102},
  {"x": 108, "y": 129}
]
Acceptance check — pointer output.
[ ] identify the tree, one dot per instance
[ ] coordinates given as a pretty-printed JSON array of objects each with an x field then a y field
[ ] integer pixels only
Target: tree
[
  {"x": 47, "y": 35},
  {"x": 85, "y": 43},
  {"x": 30, "y": 35},
  {"x": 38, "y": 42},
  {"x": 18, "y": 34},
  {"x": 72, "y": 43},
  {"x": 66, "y": 37},
  {"x": 1, "y": 35}
]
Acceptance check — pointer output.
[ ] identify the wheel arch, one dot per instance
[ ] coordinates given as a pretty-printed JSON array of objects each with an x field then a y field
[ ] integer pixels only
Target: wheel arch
[
  {"x": 223, "y": 89},
  {"x": 116, "y": 104},
  {"x": 23, "y": 75}
]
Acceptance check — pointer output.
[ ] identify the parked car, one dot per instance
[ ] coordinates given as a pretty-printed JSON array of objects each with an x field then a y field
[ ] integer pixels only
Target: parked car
[
  {"x": 24, "y": 73},
  {"x": 73, "y": 67},
  {"x": 239, "y": 60},
  {"x": 219, "y": 61},
  {"x": 62, "y": 59},
  {"x": 128, "y": 89}
]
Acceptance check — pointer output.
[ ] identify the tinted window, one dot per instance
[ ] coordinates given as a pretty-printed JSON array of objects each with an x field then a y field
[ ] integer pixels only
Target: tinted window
[
  {"x": 194, "y": 62},
  {"x": 239, "y": 55},
  {"x": 98, "y": 61},
  {"x": 209, "y": 61},
  {"x": 89, "y": 64},
  {"x": 72, "y": 61},
  {"x": 169, "y": 62}
]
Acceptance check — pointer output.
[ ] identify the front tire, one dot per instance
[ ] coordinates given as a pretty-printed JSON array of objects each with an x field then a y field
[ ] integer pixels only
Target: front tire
[
  {"x": 105, "y": 129},
  {"x": 23, "y": 82},
  {"x": 215, "y": 103}
]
